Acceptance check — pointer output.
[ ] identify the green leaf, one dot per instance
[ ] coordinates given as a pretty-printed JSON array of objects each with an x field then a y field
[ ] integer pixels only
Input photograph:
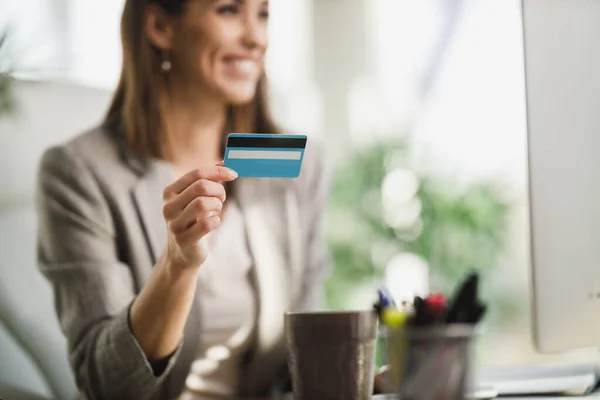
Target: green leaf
[
  {"x": 459, "y": 228},
  {"x": 7, "y": 63}
]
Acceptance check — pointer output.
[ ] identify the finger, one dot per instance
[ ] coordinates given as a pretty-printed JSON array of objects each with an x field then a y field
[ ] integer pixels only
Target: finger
[
  {"x": 378, "y": 385},
  {"x": 214, "y": 173},
  {"x": 198, "y": 230},
  {"x": 196, "y": 210},
  {"x": 201, "y": 188},
  {"x": 222, "y": 163},
  {"x": 380, "y": 381}
]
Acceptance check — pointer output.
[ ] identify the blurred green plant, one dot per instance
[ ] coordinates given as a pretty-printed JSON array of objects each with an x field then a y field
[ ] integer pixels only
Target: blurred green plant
[
  {"x": 7, "y": 99},
  {"x": 380, "y": 208}
]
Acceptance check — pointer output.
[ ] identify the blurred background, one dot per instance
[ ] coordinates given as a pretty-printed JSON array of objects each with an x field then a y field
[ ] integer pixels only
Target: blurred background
[{"x": 420, "y": 103}]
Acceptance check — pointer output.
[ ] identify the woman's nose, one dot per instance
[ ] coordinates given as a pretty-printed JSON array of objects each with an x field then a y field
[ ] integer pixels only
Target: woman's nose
[{"x": 255, "y": 33}]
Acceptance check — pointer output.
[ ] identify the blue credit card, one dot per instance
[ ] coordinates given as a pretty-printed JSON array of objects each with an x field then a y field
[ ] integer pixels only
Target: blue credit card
[{"x": 256, "y": 155}]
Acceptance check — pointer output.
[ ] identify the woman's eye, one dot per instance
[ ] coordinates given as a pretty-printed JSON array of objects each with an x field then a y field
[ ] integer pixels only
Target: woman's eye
[
  {"x": 230, "y": 9},
  {"x": 264, "y": 14}
]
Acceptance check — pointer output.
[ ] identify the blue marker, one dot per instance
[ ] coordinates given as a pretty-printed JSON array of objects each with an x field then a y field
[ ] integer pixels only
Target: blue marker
[
  {"x": 383, "y": 299},
  {"x": 265, "y": 155}
]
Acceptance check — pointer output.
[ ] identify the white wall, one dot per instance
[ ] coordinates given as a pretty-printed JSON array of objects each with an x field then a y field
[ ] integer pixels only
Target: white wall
[
  {"x": 95, "y": 42},
  {"x": 475, "y": 125},
  {"x": 48, "y": 113},
  {"x": 35, "y": 33}
]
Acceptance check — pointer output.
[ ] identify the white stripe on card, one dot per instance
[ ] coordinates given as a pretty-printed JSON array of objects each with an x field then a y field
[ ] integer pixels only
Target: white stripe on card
[{"x": 264, "y": 155}]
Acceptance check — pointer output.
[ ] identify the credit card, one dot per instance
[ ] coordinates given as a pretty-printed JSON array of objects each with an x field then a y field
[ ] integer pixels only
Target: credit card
[{"x": 265, "y": 155}]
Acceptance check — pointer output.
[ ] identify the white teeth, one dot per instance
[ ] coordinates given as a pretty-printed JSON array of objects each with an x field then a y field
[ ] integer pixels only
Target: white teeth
[{"x": 246, "y": 66}]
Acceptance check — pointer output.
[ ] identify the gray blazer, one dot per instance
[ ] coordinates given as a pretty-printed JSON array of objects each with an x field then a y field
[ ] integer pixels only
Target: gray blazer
[{"x": 101, "y": 231}]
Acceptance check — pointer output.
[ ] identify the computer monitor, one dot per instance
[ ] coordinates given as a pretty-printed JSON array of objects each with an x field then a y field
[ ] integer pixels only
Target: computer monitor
[{"x": 562, "y": 71}]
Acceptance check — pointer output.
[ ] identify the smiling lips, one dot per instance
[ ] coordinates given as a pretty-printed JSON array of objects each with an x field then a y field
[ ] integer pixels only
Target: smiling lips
[{"x": 241, "y": 67}]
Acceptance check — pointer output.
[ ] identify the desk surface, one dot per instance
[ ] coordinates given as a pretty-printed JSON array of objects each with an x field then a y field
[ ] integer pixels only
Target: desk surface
[
  {"x": 537, "y": 397},
  {"x": 392, "y": 397},
  {"x": 594, "y": 396}
]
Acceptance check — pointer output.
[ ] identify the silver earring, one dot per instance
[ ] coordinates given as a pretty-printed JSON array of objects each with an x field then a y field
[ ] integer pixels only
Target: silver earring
[{"x": 165, "y": 65}]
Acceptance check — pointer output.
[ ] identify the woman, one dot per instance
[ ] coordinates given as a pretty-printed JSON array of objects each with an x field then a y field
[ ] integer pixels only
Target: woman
[{"x": 170, "y": 275}]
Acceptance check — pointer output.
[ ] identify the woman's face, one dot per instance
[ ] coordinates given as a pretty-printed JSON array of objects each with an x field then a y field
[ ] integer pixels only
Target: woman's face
[{"x": 220, "y": 45}]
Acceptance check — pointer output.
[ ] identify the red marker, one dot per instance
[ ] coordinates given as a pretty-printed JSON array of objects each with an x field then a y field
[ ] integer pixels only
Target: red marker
[
  {"x": 436, "y": 300},
  {"x": 437, "y": 304}
]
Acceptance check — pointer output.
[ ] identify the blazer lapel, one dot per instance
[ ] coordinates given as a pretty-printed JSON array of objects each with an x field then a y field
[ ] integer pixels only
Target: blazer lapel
[
  {"x": 153, "y": 176},
  {"x": 147, "y": 195}
]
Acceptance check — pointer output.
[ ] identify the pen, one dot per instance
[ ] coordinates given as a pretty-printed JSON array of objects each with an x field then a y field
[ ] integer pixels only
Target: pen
[
  {"x": 436, "y": 300},
  {"x": 381, "y": 303},
  {"x": 477, "y": 314},
  {"x": 394, "y": 318},
  {"x": 428, "y": 311},
  {"x": 464, "y": 301},
  {"x": 436, "y": 304},
  {"x": 384, "y": 300}
]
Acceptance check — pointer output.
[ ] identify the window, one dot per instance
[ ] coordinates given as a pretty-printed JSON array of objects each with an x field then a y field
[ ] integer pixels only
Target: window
[
  {"x": 421, "y": 105},
  {"x": 432, "y": 180}
]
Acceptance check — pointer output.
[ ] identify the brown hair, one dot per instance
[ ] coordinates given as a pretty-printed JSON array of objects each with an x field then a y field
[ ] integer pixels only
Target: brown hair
[{"x": 136, "y": 102}]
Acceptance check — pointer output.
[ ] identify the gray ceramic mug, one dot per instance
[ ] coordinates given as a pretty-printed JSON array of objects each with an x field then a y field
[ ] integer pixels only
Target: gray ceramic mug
[{"x": 331, "y": 355}]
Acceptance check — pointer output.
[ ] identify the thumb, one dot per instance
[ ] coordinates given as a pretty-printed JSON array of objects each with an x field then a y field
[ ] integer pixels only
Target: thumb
[{"x": 229, "y": 170}]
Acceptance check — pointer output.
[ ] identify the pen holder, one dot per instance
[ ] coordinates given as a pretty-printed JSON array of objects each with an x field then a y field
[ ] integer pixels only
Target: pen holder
[{"x": 430, "y": 363}]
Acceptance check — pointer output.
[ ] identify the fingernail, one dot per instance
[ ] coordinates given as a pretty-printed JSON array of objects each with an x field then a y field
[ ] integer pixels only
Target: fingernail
[{"x": 233, "y": 173}]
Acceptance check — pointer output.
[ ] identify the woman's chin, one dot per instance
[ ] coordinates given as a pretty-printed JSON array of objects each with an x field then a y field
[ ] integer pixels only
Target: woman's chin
[
  {"x": 240, "y": 94},
  {"x": 240, "y": 99}
]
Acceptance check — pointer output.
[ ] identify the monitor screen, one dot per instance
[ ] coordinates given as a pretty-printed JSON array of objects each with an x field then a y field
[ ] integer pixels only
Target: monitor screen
[{"x": 562, "y": 69}]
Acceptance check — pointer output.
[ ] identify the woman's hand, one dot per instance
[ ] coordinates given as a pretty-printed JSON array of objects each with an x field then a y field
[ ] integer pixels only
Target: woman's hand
[
  {"x": 160, "y": 311},
  {"x": 381, "y": 384},
  {"x": 192, "y": 205}
]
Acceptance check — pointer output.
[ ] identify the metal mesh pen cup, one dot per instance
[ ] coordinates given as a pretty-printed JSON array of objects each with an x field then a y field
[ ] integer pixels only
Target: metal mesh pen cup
[
  {"x": 432, "y": 363},
  {"x": 331, "y": 354}
]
